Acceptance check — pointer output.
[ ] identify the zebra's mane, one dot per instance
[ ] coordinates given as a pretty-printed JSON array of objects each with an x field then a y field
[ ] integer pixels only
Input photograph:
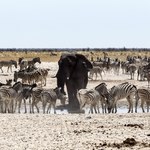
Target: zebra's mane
[{"x": 100, "y": 85}]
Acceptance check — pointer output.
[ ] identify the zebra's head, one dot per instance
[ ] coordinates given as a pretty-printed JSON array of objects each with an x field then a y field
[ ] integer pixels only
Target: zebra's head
[
  {"x": 14, "y": 63},
  {"x": 110, "y": 99},
  {"x": 60, "y": 95},
  {"x": 37, "y": 59}
]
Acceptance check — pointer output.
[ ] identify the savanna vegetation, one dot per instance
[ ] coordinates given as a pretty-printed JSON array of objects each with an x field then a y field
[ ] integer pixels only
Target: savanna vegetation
[{"x": 53, "y": 56}]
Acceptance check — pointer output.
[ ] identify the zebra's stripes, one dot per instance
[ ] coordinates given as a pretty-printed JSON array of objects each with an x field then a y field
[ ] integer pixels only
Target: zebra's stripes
[
  {"x": 144, "y": 96},
  {"x": 26, "y": 63},
  {"x": 50, "y": 96},
  {"x": 46, "y": 96},
  {"x": 96, "y": 70},
  {"x": 89, "y": 99},
  {"x": 121, "y": 91},
  {"x": 92, "y": 98},
  {"x": 8, "y": 97},
  {"x": 39, "y": 75},
  {"x": 131, "y": 69},
  {"x": 8, "y": 64},
  {"x": 24, "y": 95}
]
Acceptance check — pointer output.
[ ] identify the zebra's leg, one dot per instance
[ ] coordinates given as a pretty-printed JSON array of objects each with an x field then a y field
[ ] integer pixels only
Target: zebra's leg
[
  {"x": 91, "y": 109},
  {"x": 49, "y": 108},
  {"x": 130, "y": 105},
  {"x": 5, "y": 106},
  {"x": 94, "y": 107},
  {"x": 37, "y": 107},
  {"x": 8, "y": 69},
  {"x": 142, "y": 105},
  {"x": 147, "y": 103},
  {"x": 98, "y": 109},
  {"x": 114, "y": 107},
  {"x": 102, "y": 105},
  {"x": 19, "y": 105},
  {"x": 54, "y": 104},
  {"x": 1, "y": 69},
  {"x": 101, "y": 76},
  {"x": 96, "y": 75},
  {"x": 25, "y": 106},
  {"x": 45, "y": 81},
  {"x": 30, "y": 105},
  {"x": 44, "y": 106},
  {"x": 136, "y": 101}
]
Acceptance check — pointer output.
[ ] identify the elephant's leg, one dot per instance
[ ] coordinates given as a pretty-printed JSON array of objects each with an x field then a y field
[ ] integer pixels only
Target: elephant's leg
[{"x": 72, "y": 91}]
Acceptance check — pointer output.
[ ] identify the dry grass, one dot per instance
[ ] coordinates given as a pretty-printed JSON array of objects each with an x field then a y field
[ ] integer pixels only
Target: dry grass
[{"x": 45, "y": 56}]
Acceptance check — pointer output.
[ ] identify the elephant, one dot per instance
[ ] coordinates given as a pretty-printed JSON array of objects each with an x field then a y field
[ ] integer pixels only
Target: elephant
[{"x": 73, "y": 71}]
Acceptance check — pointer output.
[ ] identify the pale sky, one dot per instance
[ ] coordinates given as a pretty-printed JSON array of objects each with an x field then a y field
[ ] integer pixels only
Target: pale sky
[{"x": 74, "y": 23}]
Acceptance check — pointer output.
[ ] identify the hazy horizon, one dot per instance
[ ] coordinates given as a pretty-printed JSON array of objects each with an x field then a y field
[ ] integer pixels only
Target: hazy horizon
[{"x": 74, "y": 24}]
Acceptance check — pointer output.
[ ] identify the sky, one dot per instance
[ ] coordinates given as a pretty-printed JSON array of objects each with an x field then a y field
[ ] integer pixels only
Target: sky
[{"x": 74, "y": 23}]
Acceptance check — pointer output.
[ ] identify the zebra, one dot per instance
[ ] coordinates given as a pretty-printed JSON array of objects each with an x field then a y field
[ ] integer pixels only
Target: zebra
[
  {"x": 103, "y": 91},
  {"x": 36, "y": 98},
  {"x": 32, "y": 77},
  {"x": 124, "y": 90},
  {"x": 24, "y": 95},
  {"x": 96, "y": 70},
  {"x": 131, "y": 68},
  {"x": 50, "y": 96},
  {"x": 147, "y": 76},
  {"x": 22, "y": 75},
  {"x": 93, "y": 97},
  {"x": 8, "y": 64},
  {"x": 144, "y": 95},
  {"x": 90, "y": 98},
  {"x": 8, "y": 96},
  {"x": 140, "y": 73},
  {"x": 25, "y": 63}
]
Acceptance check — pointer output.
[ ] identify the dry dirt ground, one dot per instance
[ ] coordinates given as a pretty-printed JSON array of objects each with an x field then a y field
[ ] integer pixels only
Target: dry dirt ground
[{"x": 76, "y": 131}]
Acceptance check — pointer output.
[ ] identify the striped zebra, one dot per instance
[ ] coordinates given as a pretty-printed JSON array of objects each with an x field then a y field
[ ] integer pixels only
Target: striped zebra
[
  {"x": 144, "y": 96},
  {"x": 8, "y": 64},
  {"x": 147, "y": 76},
  {"x": 93, "y": 97},
  {"x": 45, "y": 96},
  {"x": 24, "y": 95},
  {"x": 50, "y": 96},
  {"x": 124, "y": 90},
  {"x": 25, "y": 63},
  {"x": 36, "y": 98},
  {"x": 96, "y": 70},
  {"x": 8, "y": 97},
  {"x": 39, "y": 75},
  {"x": 131, "y": 69},
  {"x": 89, "y": 99},
  {"x": 140, "y": 73},
  {"x": 103, "y": 91}
]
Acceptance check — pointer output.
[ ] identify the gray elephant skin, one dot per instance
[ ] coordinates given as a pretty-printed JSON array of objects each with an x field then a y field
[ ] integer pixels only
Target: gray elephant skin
[{"x": 73, "y": 71}]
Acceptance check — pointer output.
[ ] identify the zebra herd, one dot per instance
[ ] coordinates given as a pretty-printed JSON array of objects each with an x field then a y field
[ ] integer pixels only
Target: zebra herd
[
  {"x": 130, "y": 66},
  {"x": 90, "y": 99},
  {"x": 11, "y": 96}
]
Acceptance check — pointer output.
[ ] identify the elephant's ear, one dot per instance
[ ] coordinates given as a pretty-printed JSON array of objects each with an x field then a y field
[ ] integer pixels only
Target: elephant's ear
[
  {"x": 71, "y": 58},
  {"x": 85, "y": 61}
]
